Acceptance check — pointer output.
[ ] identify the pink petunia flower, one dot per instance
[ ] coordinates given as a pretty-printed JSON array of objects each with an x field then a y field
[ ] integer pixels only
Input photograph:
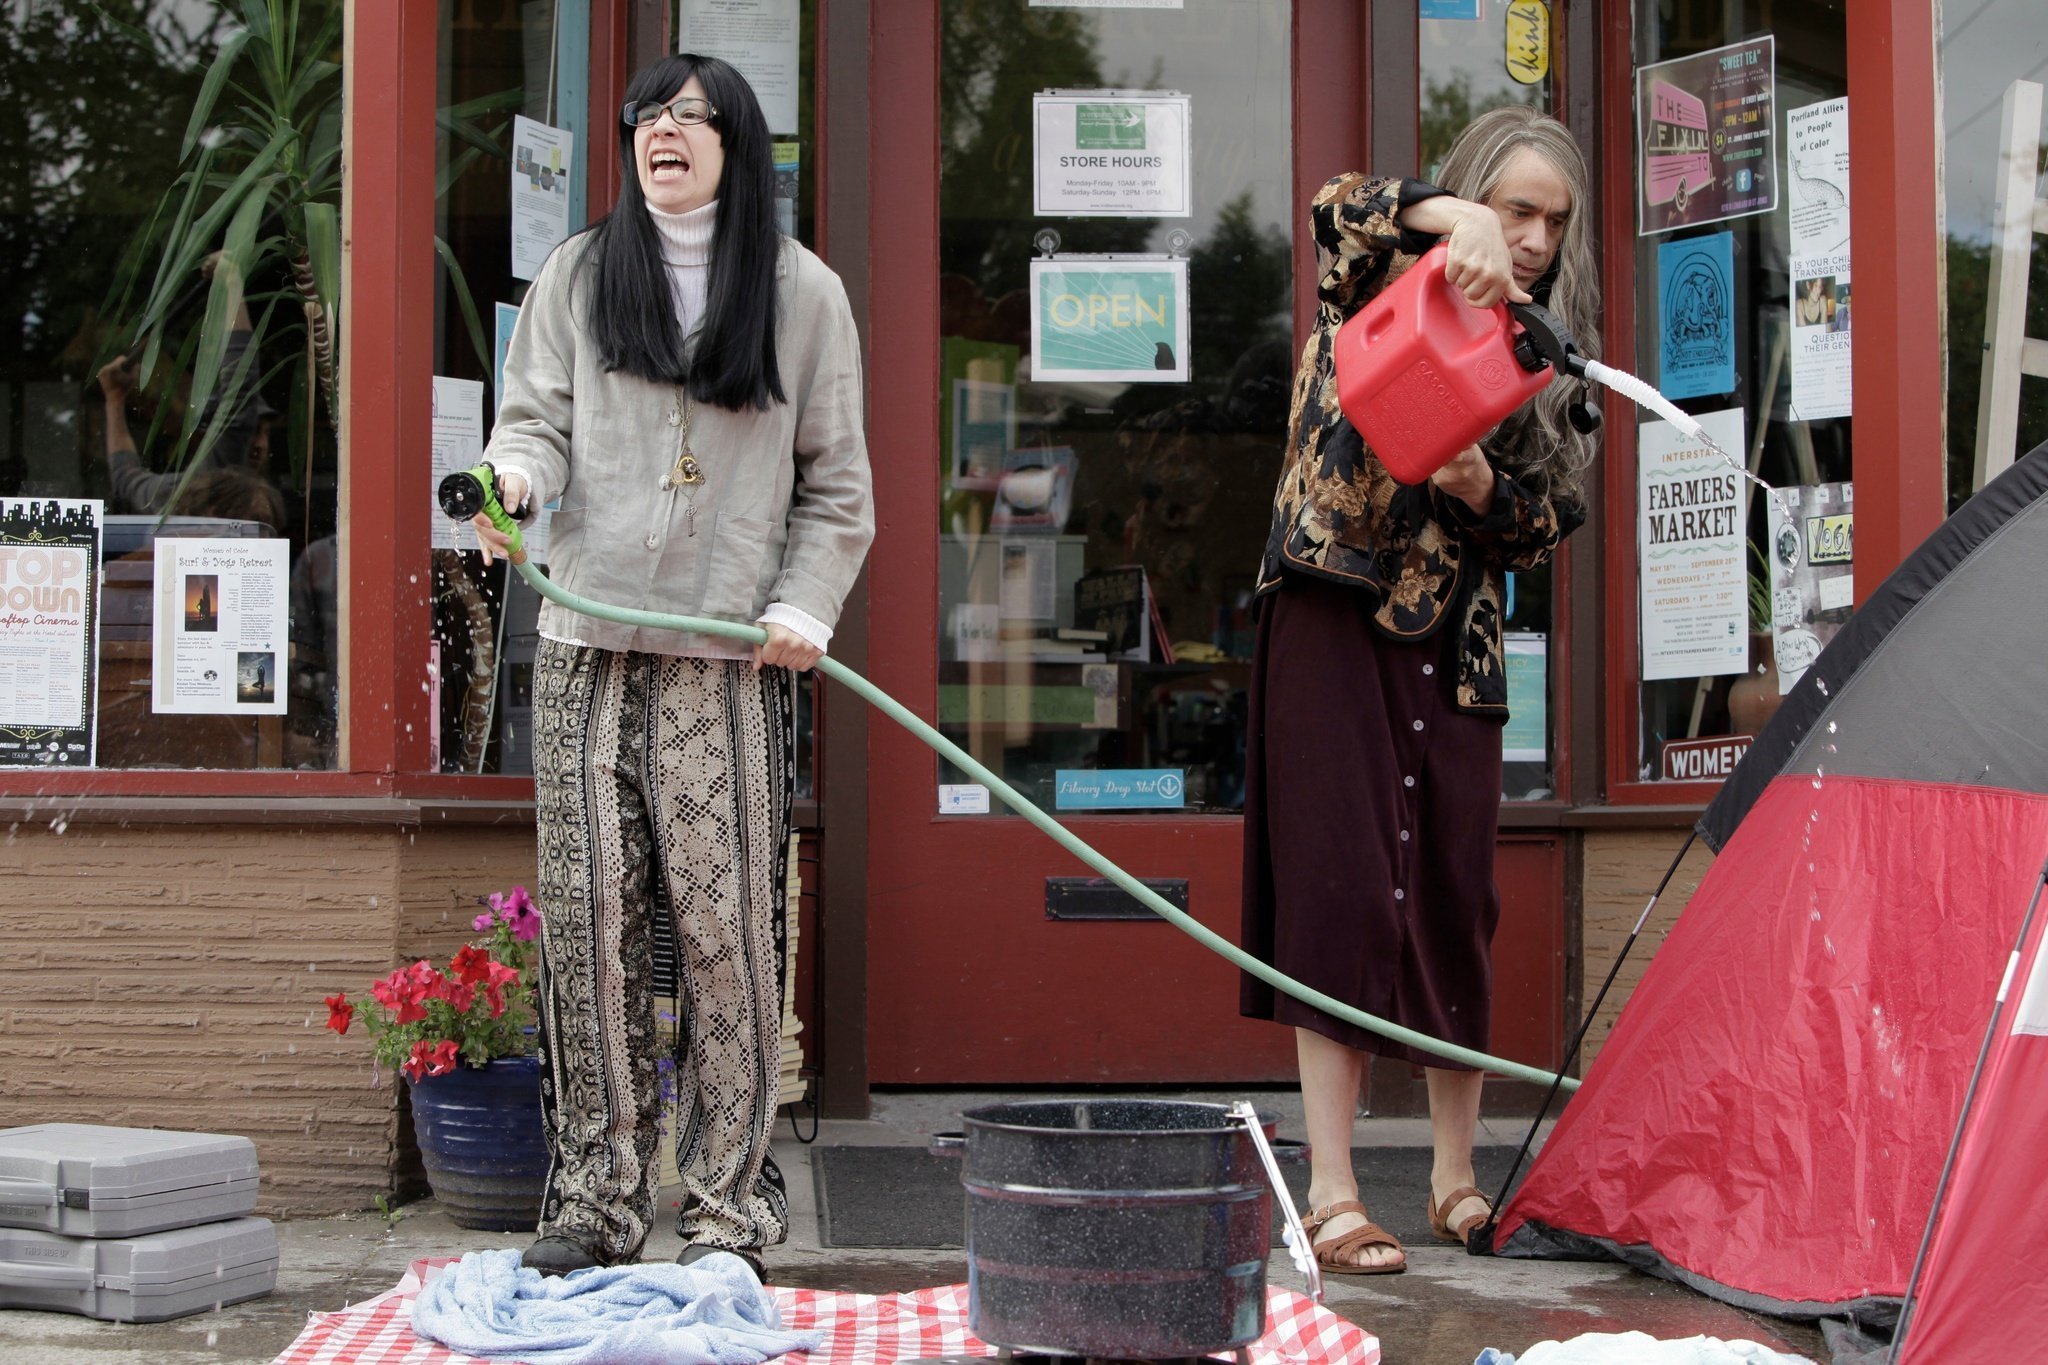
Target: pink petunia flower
[{"x": 522, "y": 915}]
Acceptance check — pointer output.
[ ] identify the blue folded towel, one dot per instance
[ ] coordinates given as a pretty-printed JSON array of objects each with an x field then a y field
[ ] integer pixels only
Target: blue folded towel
[{"x": 713, "y": 1312}]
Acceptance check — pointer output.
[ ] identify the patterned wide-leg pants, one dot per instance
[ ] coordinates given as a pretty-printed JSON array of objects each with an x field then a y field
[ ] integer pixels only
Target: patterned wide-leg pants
[{"x": 648, "y": 766}]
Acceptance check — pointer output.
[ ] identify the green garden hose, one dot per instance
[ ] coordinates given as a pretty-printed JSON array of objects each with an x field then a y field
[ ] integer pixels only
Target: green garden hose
[{"x": 474, "y": 490}]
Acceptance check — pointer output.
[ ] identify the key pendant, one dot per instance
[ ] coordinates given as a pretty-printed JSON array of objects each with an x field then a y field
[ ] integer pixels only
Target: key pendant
[{"x": 690, "y": 519}]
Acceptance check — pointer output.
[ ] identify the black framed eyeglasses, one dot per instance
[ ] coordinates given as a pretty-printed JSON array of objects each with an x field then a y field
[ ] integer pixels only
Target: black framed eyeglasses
[{"x": 646, "y": 113}]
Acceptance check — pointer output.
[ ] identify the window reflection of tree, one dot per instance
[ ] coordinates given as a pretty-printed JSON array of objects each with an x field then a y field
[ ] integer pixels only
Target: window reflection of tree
[{"x": 1176, "y": 477}]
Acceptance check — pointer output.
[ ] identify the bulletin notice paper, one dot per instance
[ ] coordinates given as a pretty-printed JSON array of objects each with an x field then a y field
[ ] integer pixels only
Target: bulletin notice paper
[
  {"x": 1690, "y": 538},
  {"x": 761, "y": 38},
  {"x": 1111, "y": 154},
  {"x": 1817, "y": 190},
  {"x": 49, "y": 624},
  {"x": 543, "y": 158},
  {"x": 219, "y": 634},
  {"x": 458, "y": 444}
]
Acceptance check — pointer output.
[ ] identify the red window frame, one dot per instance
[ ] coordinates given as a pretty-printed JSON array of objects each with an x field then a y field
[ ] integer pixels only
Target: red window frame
[
  {"x": 390, "y": 70},
  {"x": 1898, "y": 366}
]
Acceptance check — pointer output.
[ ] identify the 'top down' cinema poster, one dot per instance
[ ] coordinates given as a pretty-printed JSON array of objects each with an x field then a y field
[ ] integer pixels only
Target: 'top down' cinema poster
[{"x": 49, "y": 619}]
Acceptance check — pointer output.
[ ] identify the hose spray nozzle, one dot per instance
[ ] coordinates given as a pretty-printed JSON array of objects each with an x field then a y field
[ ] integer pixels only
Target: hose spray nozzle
[{"x": 467, "y": 492}]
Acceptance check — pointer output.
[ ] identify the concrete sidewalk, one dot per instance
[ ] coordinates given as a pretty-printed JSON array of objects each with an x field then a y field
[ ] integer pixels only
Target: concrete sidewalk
[{"x": 1443, "y": 1311}]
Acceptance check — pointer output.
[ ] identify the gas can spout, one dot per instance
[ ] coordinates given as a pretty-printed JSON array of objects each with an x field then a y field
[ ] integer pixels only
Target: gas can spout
[{"x": 1545, "y": 340}]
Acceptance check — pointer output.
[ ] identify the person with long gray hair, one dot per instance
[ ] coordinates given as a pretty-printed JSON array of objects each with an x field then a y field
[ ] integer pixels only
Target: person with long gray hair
[
  {"x": 1378, "y": 689},
  {"x": 686, "y": 380}
]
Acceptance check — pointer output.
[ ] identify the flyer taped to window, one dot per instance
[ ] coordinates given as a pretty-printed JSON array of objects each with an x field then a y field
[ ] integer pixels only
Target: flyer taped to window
[
  {"x": 220, "y": 634},
  {"x": 49, "y": 620}
]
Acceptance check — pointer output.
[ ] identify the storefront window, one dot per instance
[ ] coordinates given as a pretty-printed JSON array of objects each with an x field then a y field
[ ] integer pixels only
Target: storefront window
[
  {"x": 1115, "y": 270},
  {"x": 1985, "y": 47},
  {"x": 1478, "y": 55},
  {"x": 512, "y": 99},
  {"x": 515, "y": 111},
  {"x": 168, "y": 363},
  {"x": 1743, "y": 302}
]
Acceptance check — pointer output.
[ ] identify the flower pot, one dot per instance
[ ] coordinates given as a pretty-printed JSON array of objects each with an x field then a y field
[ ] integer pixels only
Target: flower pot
[
  {"x": 1754, "y": 698},
  {"x": 481, "y": 1140}
]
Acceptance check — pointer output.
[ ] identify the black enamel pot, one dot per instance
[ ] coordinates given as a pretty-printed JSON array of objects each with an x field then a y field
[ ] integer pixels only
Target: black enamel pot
[{"x": 1125, "y": 1228}]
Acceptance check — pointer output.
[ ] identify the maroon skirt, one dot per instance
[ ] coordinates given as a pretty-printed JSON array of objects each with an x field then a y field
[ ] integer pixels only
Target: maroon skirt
[{"x": 1371, "y": 805}]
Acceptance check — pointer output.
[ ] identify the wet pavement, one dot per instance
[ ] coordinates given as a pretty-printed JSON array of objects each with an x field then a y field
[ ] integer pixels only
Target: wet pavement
[{"x": 1443, "y": 1311}]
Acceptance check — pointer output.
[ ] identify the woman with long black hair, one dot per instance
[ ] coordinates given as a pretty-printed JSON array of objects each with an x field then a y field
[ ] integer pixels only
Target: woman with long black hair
[{"x": 686, "y": 381}]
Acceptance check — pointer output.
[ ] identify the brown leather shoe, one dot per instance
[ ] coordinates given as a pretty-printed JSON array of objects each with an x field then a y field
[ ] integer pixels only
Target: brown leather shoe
[
  {"x": 1335, "y": 1255},
  {"x": 1439, "y": 1214}
]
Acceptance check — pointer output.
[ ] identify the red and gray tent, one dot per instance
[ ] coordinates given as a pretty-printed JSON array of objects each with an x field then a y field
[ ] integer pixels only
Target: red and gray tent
[{"x": 1855, "y": 1001}]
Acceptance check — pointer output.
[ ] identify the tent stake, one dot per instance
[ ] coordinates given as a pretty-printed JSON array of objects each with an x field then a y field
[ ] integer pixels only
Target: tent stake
[
  {"x": 1955, "y": 1142},
  {"x": 1479, "y": 1241}
]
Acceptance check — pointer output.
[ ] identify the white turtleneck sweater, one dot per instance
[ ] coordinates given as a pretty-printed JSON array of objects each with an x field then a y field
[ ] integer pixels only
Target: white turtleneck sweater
[{"x": 686, "y": 252}]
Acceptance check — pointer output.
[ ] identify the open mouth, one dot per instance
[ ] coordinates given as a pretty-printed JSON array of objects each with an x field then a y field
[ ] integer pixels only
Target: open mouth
[{"x": 667, "y": 165}]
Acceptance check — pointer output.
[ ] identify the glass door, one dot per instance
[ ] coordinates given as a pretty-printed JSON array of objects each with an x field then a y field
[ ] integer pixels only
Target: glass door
[
  {"x": 1115, "y": 355},
  {"x": 1083, "y": 340}
]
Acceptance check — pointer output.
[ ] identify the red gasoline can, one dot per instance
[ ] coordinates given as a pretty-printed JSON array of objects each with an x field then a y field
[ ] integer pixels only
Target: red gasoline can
[{"x": 1422, "y": 374}]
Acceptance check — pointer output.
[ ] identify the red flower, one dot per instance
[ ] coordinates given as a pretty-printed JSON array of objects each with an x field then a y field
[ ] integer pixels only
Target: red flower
[
  {"x": 422, "y": 1056},
  {"x": 472, "y": 964},
  {"x": 443, "y": 1057},
  {"x": 402, "y": 994},
  {"x": 501, "y": 976},
  {"x": 340, "y": 1013}
]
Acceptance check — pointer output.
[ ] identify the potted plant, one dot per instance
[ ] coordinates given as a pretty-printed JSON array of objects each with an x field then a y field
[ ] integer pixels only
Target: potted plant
[{"x": 463, "y": 1038}]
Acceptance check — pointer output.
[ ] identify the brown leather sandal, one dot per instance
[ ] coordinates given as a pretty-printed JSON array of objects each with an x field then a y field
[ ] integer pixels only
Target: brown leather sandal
[
  {"x": 1439, "y": 1214},
  {"x": 1334, "y": 1256}
]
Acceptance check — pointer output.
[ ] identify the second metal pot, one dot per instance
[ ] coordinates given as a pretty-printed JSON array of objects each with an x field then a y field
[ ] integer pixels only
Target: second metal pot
[{"x": 1123, "y": 1228}]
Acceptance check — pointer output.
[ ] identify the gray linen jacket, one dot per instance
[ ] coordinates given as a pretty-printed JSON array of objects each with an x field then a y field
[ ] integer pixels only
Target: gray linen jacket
[{"x": 785, "y": 512}]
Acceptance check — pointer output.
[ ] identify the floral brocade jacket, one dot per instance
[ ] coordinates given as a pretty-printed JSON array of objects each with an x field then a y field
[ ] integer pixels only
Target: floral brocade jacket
[{"x": 1338, "y": 514}]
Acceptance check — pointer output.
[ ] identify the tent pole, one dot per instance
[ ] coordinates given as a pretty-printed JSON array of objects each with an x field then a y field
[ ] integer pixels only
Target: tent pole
[
  {"x": 1479, "y": 1242},
  {"x": 1955, "y": 1143}
]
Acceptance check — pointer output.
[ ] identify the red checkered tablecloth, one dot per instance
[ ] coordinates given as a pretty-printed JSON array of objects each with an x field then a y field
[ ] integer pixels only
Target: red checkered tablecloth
[{"x": 858, "y": 1329}]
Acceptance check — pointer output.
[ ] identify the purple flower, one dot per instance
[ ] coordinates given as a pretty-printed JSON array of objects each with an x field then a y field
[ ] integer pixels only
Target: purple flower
[
  {"x": 483, "y": 924},
  {"x": 519, "y": 911}
]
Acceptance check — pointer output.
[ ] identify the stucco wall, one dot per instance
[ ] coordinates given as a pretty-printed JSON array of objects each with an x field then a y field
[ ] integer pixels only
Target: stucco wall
[{"x": 171, "y": 976}]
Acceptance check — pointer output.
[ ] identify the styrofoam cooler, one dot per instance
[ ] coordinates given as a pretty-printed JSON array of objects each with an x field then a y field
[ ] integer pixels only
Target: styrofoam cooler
[
  {"x": 149, "y": 1278},
  {"x": 85, "y": 1180}
]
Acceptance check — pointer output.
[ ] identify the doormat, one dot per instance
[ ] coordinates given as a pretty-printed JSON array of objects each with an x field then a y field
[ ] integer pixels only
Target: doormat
[
  {"x": 856, "y": 1329},
  {"x": 905, "y": 1197}
]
